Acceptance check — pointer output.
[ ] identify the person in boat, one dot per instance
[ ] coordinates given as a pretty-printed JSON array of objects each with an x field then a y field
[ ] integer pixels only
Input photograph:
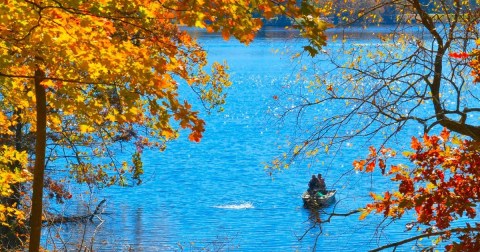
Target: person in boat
[
  {"x": 322, "y": 187},
  {"x": 313, "y": 185}
]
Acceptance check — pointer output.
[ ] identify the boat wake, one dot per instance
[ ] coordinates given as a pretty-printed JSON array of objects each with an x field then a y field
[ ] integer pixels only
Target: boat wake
[{"x": 238, "y": 206}]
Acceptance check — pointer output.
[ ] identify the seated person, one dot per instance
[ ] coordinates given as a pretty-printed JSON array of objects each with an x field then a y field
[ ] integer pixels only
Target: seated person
[
  {"x": 321, "y": 184},
  {"x": 313, "y": 185}
]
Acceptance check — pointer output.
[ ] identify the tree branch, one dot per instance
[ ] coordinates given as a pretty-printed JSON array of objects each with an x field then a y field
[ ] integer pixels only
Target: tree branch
[
  {"x": 63, "y": 219},
  {"x": 454, "y": 230}
]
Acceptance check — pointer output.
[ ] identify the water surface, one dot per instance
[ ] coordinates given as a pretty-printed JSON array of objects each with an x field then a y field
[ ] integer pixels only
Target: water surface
[{"x": 216, "y": 194}]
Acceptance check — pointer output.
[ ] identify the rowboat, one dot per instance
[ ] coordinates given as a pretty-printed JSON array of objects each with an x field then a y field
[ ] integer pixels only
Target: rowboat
[{"x": 317, "y": 201}]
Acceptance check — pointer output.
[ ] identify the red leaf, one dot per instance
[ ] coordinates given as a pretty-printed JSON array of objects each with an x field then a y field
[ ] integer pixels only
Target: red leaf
[
  {"x": 370, "y": 166},
  {"x": 461, "y": 55},
  {"x": 440, "y": 175},
  {"x": 418, "y": 209},
  {"x": 382, "y": 165},
  {"x": 406, "y": 186}
]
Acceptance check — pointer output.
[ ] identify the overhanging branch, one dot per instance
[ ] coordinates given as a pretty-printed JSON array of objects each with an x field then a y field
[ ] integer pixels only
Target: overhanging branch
[{"x": 418, "y": 237}]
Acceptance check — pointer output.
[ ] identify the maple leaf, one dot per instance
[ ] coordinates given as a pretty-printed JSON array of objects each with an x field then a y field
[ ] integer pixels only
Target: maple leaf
[
  {"x": 370, "y": 166},
  {"x": 359, "y": 165},
  {"x": 445, "y": 134},
  {"x": 415, "y": 144}
]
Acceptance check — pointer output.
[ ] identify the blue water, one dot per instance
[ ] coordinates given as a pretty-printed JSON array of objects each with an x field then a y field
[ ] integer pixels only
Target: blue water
[{"x": 216, "y": 194}]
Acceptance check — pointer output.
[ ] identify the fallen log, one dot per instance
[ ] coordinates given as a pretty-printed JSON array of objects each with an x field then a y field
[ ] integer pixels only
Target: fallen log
[{"x": 60, "y": 219}]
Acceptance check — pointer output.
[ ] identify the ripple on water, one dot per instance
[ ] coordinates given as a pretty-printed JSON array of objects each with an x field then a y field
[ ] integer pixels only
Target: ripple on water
[{"x": 236, "y": 206}]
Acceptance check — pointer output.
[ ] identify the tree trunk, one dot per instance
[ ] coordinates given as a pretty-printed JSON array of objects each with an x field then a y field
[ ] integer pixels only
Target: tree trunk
[{"x": 40, "y": 145}]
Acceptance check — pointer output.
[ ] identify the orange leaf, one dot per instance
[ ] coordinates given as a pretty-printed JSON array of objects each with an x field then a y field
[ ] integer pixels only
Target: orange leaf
[
  {"x": 445, "y": 134},
  {"x": 394, "y": 169},
  {"x": 358, "y": 165},
  {"x": 225, "y": 34},
  {"x": 415, "y": 144},
  {"x": 373, "y": 151}
]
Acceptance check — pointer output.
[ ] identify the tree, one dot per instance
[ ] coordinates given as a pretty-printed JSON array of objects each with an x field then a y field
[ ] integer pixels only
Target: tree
[
  {"x": 416, "y": 74},
  {"x": 81, "y": 76}
]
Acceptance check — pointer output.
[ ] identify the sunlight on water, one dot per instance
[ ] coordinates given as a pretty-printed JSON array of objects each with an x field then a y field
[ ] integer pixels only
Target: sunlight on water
[
  {"x": 236, "y": 206},
  {"x": 183, "y": 203}
]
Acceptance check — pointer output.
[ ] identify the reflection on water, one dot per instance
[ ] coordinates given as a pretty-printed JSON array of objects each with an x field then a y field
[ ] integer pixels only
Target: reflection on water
[
  {"x": 314, "y": 217},
  {"x": 138, "y": 227}
]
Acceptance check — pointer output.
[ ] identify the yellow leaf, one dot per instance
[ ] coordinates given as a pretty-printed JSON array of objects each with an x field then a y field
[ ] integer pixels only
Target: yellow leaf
[
  {"x": 431, "y": 186},
  {"x": 456, "y": 140},
  {"x": 199, "y": 24},
  {"x": 364, "y": 213},
  {"x": 134, "y": 110},
  {"x": 376, "y": 197},
  {"x": 85, "y": 128}
]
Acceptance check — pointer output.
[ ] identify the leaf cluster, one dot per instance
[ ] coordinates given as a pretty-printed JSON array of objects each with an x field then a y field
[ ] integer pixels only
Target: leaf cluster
[{"x": 442, "y": 187}]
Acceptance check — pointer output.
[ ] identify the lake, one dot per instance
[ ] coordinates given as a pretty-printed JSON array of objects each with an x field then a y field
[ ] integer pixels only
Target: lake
[{"x": 216, "y": 195}]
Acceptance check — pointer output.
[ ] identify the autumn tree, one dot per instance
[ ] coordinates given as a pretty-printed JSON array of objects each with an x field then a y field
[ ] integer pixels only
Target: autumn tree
[
  {"x": 415, "y": 74},
  {"x": 78, "y": 77},
  {"x": 440, "y": 186}
]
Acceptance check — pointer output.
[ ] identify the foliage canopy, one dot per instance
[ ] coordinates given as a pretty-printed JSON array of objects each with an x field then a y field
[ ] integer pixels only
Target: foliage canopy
[{"x": 82, "y": 76}]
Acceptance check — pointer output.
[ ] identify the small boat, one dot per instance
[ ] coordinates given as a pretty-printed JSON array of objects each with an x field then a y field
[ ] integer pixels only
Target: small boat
[{"x": 317, "y": 201}]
